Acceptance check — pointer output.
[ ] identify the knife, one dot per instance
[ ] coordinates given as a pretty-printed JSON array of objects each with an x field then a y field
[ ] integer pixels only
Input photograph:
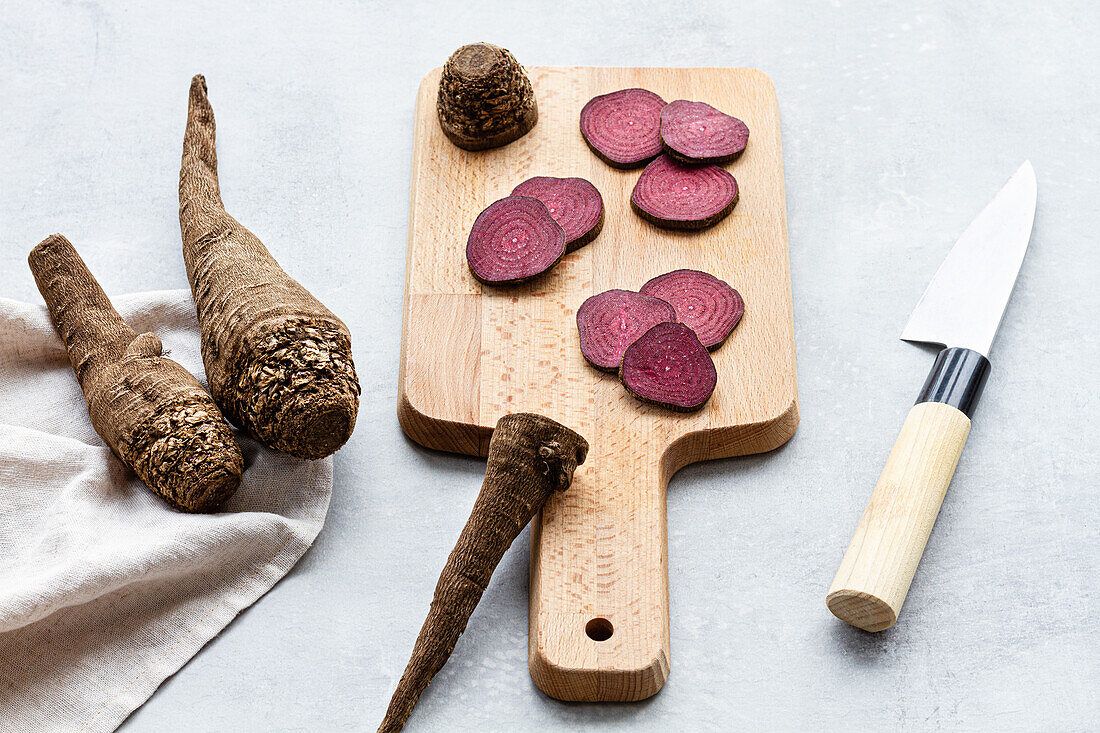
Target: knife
[{"x": 961, "y": 310}]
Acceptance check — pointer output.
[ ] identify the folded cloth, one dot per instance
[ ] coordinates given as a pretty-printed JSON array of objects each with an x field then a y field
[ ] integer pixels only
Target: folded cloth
[{"x": 105, "y": 590}]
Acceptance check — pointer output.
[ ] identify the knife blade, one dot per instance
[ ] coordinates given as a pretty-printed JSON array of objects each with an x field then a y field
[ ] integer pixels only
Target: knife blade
[
  {"x": 967, "y": 297},
  {"x": 961, "y": 310}
]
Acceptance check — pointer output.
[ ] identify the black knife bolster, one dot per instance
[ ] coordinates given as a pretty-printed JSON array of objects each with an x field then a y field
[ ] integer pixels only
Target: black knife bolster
[{"x": 957, "y": 379}]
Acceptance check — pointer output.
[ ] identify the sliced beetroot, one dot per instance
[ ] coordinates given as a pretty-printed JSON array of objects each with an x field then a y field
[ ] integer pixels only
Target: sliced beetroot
[
  {"x": 611, "y": 321},
  {"x": 514, "y": 240},
  {"x": 703, "y": 303},
  {"x": 667, "y": 366},
  {"x": 677, "y": 196},
  {"x": 695, "y": 132},
  {"x": 624, "y": 128},
  {"x": 574, "y": 203}
]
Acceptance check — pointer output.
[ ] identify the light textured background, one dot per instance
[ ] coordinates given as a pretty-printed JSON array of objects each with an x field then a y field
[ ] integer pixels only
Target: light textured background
[{"x": 900, "y": 121}]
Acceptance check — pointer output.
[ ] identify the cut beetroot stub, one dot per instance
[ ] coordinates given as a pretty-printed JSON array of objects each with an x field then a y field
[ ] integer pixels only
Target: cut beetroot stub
[
  {"x": 624, "y": 127},
  {"x": 514, "y": 240},
  {"x": 703, "y": 303},
  {"x": 669, "y": 367},
  {"x": 574, "y": 203},
  {"x": 695, "y": 132},
  {"x": 677, "y": 196},
  {"x": 613, "y": 320}
]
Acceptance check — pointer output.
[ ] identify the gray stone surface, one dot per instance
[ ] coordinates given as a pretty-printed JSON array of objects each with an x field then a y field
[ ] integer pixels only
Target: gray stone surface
[{"x": 900, "y": 121}]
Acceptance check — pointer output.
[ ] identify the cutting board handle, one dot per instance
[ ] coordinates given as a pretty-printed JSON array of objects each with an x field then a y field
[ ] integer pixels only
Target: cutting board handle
[{"x": 599, "y": 628}]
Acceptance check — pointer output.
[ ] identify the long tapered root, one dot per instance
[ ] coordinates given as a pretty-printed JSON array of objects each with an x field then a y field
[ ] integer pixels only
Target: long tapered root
[
  {"x": 151, "y": 412},
  {"x": 278, "y": 361},
  {"x": 530, "y": 458}
]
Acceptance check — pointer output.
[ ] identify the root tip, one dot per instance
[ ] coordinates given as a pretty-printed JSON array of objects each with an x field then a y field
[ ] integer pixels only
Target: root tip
[
  {"x": 198, "y": 87},
  {"x": 54, "y": 240}
]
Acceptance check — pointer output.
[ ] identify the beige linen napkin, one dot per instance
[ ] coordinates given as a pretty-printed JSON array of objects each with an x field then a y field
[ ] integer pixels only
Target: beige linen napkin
[{"x": 105, "y": 591}]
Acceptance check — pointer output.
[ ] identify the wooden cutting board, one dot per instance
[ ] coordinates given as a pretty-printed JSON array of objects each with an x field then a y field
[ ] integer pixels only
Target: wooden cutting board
[{"x": 599, "y": 626}]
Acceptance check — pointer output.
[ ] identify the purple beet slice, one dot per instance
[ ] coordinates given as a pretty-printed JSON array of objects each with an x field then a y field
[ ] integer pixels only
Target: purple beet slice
[
  {"x": 611, "y": 321},
  {"x": 574, "y": 203},
  {"x": 624, "y": 128},
  {"x": 514, "y": 240},
  {"x": 667, "y": 366},
  {"x": 703, "y": 303},
  {"x": 677, "y": 196},
  {"x": 695, "y": 132}
]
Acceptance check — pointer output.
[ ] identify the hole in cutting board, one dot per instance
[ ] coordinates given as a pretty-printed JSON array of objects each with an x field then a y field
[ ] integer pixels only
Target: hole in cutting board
[{"x": 599, "y": 629}]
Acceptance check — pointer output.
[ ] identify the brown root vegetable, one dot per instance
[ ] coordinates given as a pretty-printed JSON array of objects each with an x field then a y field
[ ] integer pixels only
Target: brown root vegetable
[
  {"x": 623, "y": 128},
  {"x": 611, "y": 321},
  {"x": 677, "y": 196},
  {"x": 514, "y": 240},
  {"x": 279, "y": 362},
  {"x": 705, "y": 304},
  {"x": 668, "y": 366},
  {"x": 150, "y": 411},
  {"x": 574, "y": 203},
  {"x": 696, "y": 133},
  {"x": 485, "y": 99},
  {"x": 530, "y": 458}
]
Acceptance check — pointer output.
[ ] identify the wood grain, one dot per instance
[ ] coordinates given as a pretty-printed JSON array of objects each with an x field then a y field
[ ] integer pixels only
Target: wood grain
[
  {"x": 471, "y": 353},
  {"x": 878, "y": 568}
]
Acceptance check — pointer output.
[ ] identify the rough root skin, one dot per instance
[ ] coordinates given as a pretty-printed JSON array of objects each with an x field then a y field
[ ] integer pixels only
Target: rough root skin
[
  {"x": 530, "y": 458},
  {"x": 296, "y": 364},
  {"x": 152, "y": 413},
  {"x": 179, "y": 448},
  {"x": 278, "y": 361},
  {"x": 485, "y": 99}
]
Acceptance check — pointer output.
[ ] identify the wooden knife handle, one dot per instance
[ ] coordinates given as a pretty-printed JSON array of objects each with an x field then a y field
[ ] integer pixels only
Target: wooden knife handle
[{"x": 877, "y": 569}]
